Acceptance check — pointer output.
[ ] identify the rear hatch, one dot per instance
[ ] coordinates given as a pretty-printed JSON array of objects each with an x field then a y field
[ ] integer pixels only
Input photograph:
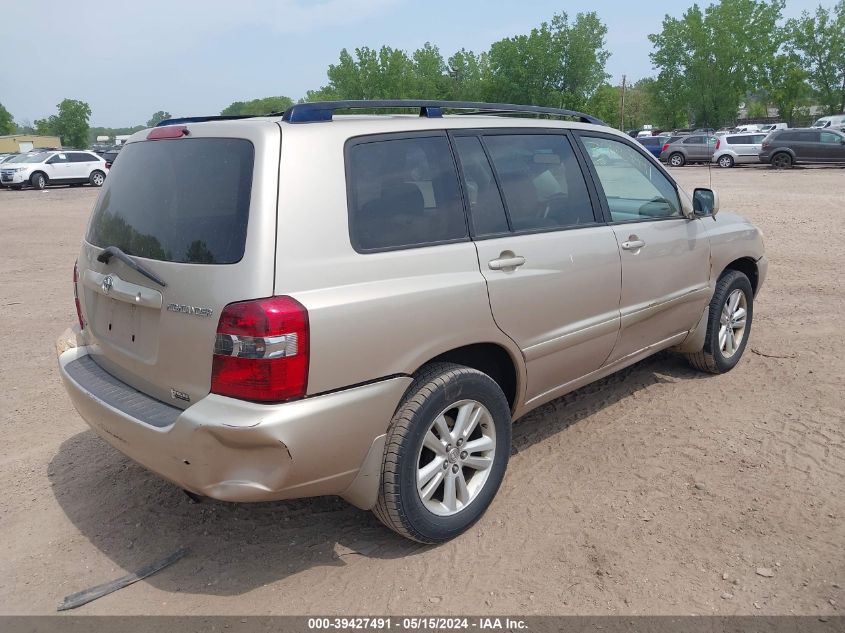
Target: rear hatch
[{"x": 197, "y": 211}]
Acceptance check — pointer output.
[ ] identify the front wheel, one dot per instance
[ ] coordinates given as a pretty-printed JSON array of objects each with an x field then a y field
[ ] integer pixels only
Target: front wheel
[
  {"x": 726, "y": 161},
  {"x": 446, "y": 453},
  {"x": 97, "y": 178},
  {"x": 38, "y": 180},
  {"x": 728, "y": 325}
]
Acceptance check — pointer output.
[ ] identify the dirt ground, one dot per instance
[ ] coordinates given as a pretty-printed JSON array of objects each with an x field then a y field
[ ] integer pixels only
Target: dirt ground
[{"x": 655, "y": 491}]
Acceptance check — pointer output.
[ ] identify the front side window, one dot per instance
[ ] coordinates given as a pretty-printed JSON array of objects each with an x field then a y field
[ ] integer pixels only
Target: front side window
[
  {"x": 635, "y": 188},
  {"x": 540, "y": 180},
  {"x": 403, "y": 193},
  {"x": 58, "y": 158},
  {"x": 830, "y": 137}
]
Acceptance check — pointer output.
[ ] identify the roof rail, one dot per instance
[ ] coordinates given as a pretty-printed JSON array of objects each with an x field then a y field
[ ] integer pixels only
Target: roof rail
[
  {"x": 201, "y": 119},
  {"x": 323, "y": 110}
]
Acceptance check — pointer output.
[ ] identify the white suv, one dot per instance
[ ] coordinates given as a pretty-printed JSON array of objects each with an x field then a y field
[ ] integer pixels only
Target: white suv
[{"x": 54, "y": 168}]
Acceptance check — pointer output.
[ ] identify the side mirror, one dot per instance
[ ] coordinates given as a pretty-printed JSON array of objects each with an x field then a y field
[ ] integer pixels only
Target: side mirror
[{"x": 705, "y": 202}]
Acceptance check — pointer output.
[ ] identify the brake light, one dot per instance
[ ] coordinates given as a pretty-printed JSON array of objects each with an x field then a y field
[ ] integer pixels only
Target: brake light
[
  {"x": 718, "y": 142},
  {"x": 168, "y": 131},
  {"x": 76, "y": 296},
  {"x": 108, "y": 164},
  {"x": 665, "y": 147},
  {"x": 261, "y": 351}
]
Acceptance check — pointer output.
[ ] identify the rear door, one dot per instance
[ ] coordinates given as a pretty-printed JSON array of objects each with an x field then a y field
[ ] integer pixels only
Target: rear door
[
  {"x": 551, "y": 265},
  {"x": 665, "y": 256},
  {"x": 198, "y": 212},
  {"x": 695, "y": 147}
]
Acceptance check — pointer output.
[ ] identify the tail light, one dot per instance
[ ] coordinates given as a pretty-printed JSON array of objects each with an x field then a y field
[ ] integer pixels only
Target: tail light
[
  {"x": 108, "y": 164},
  {"x": 665, "y": 147},
  {"x": 718, "y": 142},
  {"x": 76, "y": 296},
  {"x": 261, "y": 351}
]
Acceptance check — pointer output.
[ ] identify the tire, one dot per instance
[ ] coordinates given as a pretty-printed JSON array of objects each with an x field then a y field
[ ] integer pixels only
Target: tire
[
  {"x": 716, "y": 356},
  {"x": 38, "y": 180},
  {"x": 725, "y": 160},
  {"x": 677, "y": 160},
  {"x": 97, "y": 178},
  {"x": 781, "y": 160},
  {"x": 438, "y": 392}
]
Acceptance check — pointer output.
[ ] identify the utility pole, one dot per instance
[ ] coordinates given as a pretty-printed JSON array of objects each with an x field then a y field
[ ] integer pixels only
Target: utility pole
[{"x": 622, "y": 107}]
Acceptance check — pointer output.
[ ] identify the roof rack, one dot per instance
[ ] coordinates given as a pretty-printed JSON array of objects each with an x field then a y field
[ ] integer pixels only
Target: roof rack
[
  {"x": 323, "y": 110},
  {"x": 320, "y": 111},
  {"x": 201, "y": 119}
]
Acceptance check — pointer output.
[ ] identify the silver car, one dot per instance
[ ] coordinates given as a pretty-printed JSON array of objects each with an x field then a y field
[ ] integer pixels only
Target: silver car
[
  {"x": 316, "y": 304},
  {"x": 735, "y": 149}
]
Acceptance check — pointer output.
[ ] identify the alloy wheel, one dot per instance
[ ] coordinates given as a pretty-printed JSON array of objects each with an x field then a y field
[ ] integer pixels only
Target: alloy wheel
[
  {"x": 455, "y": 458},
  {"x": 732, "y": 323}
]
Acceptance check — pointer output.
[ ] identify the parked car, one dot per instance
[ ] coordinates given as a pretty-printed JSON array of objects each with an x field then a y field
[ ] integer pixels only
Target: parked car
[
  {"x": 785, "y": 148},
  {"x": 110, "y": 156},
  {"x": 745, "y": 129},
  {"x": 836, "y": 121},
  {"x": 704, "y": 130},
  {"x": 654, "y": 144},
  {"x": 7, "y": 158},
  {"x": 737, "y": 149},
  {"x": 227, "y": 344},
  {"x": 771, "y": 127},
  {"x": 695, "y": 148},
  {"x": 63, "y": 167}
]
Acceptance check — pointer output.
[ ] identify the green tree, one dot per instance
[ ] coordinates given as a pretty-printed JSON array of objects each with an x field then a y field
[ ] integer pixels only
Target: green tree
[
  {"x": 7, "y": 124},
  {"x": 257, "y": 107},
  {"x": 70, "y": 124},
  {"x": 819, "y": 41},
  {"x": 709, "y": 60},
  {"x": 788, "y": 87},
  {"x": 467, "y": 75},
  {"x": 430, "y": 73},
  {"x": 158, "y": 117},
  {"x": 605, "y": 104},
  {"x": 558, "y": 64}
]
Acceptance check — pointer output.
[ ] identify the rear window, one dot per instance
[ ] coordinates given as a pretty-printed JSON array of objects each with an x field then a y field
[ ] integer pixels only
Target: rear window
[
  {"x": 403, "y": 193},
  {"x": 183, "y": 201}
]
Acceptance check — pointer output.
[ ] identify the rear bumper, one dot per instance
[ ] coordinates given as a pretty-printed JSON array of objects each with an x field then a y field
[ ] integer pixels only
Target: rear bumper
[{"x": 233, "y": 450}]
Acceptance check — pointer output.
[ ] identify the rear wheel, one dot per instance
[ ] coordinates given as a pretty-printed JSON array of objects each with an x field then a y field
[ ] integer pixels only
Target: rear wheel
[
  {"x": 38, "y": 180},
  {"x": 97, "y": 178},
  {"x": 726, "y": 161},
  {"x": 446, "y": 453},
  {"x": 728, "y": 325},
  {"x": 781, "y": 160},
  {"x": 677, "y": 160}
]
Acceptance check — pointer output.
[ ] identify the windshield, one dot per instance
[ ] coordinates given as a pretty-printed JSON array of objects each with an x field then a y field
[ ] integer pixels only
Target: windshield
[
  {"x": 183, "y": 200},
  {"x": 821, "y": 123},
  {"x": 33, "y": 158}
]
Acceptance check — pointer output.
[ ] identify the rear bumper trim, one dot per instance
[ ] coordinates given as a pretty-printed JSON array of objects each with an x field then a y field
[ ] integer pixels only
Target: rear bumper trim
[{"x": 102, "y": 385}]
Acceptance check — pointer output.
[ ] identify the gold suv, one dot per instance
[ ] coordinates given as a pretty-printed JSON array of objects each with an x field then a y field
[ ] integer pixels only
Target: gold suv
[{"x": 317, "y": 303}]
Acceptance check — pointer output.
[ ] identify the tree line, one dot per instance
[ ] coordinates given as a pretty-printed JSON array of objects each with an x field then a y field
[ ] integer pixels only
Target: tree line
[{"x": 708, "y": 62}]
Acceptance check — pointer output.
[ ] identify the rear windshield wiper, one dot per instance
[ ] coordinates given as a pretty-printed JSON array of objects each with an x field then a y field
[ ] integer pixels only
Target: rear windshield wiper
[{"x": 114, "y": 251}]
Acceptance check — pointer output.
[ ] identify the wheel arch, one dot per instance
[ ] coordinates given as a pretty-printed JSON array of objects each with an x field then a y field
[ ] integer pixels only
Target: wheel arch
[
  {"x": 748, "y": 267},
  {"x": 492, "y": 359},
  {"x": 39, "y": 171}
]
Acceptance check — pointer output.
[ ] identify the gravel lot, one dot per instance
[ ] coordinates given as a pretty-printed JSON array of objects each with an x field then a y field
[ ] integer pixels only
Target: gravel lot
[{"x": 656, "y": 490}]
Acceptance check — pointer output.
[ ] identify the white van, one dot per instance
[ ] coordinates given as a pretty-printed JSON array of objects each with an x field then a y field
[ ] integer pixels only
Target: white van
[
  {"x": 771, "y": 127},
  {"x": 835, "y": 121}
]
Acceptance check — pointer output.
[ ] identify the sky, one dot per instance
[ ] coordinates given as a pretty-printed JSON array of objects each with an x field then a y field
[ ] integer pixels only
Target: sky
[{"x": 130, "y": 58}]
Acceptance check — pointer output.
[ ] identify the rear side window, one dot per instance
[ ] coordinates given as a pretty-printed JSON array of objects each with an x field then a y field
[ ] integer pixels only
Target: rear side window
[
  {"x": 81, "y": 157},
  {"x": 738, "y": 140},
  {"x": 403, "y": 193},
  {"x": 805, "y": 136},
  {"x": 541, "y": 181},
  {"x": 183, "y": 200},
  {"x": 485, "y": 203}
]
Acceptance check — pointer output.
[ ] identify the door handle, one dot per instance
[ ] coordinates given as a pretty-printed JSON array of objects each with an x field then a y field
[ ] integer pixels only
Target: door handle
[
  {"x": 633, "y": 245},
  {"x": 506, "y": 261}
]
